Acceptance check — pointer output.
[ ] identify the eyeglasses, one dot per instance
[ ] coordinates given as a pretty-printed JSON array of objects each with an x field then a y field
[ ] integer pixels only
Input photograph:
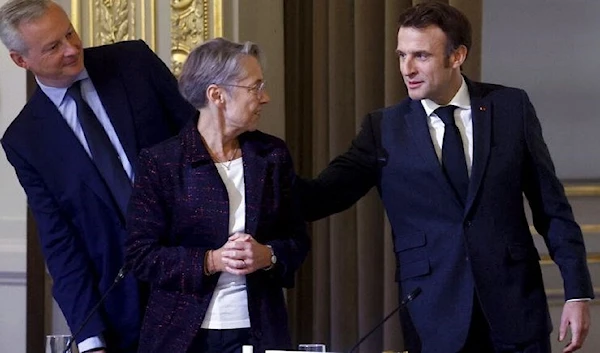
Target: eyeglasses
[{"x": 258, "y": 88}]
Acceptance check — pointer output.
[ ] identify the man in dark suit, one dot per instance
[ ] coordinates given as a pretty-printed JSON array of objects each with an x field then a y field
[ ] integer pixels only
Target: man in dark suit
[
  {"x": 74, "y": 148},
  {"x": 451, "y": 163}
]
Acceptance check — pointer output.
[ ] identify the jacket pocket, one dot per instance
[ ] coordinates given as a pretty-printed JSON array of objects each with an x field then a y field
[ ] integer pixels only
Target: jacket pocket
[
  {"x": 412, "y": 269},
  {"x": 411, "y": 256},
  {"x": 410, "y": 241},
  {"x": 521, "y": 252}
]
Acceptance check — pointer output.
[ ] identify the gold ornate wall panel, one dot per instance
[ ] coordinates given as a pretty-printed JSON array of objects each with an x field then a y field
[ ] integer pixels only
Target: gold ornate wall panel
[
  {"x": 107, "y": 21},
  {"x": 192, "y": 22}
]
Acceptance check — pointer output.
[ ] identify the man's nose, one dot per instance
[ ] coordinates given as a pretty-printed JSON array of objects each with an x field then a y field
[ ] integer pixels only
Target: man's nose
[
  {"x": 407, "y": 67},
  {"x": 71, "y": 47}
]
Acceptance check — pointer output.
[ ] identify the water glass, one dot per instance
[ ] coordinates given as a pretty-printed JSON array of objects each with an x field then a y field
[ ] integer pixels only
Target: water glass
[
  {"x": 311, "y": 347},
  {"x": 57, "y": 343}
]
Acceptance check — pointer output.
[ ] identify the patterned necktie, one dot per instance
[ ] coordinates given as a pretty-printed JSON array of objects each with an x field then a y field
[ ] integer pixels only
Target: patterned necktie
[
  {"x": 454, "y": 163},
  {"x": 103, "y": 152}
]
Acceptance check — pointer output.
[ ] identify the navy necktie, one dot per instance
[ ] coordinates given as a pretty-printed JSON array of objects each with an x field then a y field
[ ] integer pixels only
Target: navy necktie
[
  {"x": 454, "y": 163},
  {"x": 103, "y": 152}
]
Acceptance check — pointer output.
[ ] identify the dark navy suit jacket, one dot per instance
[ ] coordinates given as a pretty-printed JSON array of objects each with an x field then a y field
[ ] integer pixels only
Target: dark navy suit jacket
[
  {"x": 451, "y": 250},
  {"x": 81, "y": 229},
  {"x": 180, "y": 209}
]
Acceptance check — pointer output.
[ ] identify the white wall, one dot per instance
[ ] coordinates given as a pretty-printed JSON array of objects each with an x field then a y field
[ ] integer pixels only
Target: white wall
[
  {"x": 12, "y": 216},
  {"x": 551, "y": 48}
]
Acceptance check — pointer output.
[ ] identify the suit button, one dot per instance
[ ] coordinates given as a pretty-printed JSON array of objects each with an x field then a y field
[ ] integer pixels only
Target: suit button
[{"x": 468, "y": 224}]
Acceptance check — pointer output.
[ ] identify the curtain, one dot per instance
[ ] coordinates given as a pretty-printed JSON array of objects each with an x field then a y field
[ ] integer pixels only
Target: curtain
[{"x": 340, "y": 63}]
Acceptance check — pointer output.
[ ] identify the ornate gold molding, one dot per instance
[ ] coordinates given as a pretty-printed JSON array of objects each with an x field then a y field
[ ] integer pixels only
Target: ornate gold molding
[
  {"x": 110, "y": 21},
  {"x": 115, "y": 19},
  {"x": 585, "y": 229},
  {"x": 193, "y": 22},
  {"x": 590, "y": 228},
  {"x": 189, "y": 27},
  {"x": 582, "y": 190},
  {"x": 592, "y": 258}
]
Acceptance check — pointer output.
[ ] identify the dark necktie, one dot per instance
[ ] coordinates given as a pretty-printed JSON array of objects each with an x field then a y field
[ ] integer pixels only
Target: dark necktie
[
  {"x": 453, "y": 154},
  {"x": 103, "y": 152}
]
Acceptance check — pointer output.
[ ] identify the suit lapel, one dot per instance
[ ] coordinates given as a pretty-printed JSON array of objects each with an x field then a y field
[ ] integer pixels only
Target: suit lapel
[
  {"x": 60, "y": 139},
  {"x": 482, "y": 132},
  {"x": 113, "y": 97},
  {"x": 255, "y": 172},
  {"x": 416, "y": 120}
]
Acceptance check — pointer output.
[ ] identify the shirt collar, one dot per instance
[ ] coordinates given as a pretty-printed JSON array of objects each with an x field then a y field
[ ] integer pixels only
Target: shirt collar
[
  {"x": 461, "y": 99},
  {"x": 57, "y": 94}
]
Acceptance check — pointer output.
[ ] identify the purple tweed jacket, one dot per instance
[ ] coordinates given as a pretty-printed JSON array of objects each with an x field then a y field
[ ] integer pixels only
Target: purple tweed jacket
[{"x": 179, "y": 209}]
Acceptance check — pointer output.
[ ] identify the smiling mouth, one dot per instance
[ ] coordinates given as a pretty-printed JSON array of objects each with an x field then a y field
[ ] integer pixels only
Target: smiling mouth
[{"x": 72, "y": 62}]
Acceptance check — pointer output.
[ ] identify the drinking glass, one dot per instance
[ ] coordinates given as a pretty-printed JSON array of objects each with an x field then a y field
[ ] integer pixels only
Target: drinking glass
[
  {"x": 57, "y": 343},
  {"x": 311, "y": 347}
]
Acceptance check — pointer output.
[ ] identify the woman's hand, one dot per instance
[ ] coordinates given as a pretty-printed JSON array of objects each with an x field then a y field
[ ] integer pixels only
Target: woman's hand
[{"x": 242, "y": 254}]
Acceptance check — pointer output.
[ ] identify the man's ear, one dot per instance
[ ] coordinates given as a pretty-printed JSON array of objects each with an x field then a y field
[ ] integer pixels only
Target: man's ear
[
  {"x": 459, "y": 56},
  {"x": 19, "y": 59}
]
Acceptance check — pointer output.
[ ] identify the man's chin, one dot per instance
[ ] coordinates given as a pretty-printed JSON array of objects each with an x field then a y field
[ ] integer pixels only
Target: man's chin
[
  {"x": 73, "y": 71},
  {"x": 416, "y": 96}
]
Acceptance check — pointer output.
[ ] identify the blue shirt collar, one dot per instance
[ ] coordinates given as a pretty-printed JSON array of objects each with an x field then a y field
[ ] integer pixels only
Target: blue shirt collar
[{"x": 57, "y": 94}]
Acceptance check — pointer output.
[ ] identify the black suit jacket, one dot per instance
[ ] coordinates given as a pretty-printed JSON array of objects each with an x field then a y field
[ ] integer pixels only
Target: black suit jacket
[
  {"x": 450, "y": 250},
  {"x": 80, "y": 227}
]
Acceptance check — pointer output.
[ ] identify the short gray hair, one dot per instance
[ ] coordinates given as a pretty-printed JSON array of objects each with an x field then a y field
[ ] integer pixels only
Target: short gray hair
[
  {"x": 13, "y": 14},
  {"x": 212, "y": 62}
]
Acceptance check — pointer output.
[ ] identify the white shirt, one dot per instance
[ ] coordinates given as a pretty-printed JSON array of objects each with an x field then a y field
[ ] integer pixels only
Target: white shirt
[
  {"x": 228, "y": 308},
  {"x": 462, "y": 118}
]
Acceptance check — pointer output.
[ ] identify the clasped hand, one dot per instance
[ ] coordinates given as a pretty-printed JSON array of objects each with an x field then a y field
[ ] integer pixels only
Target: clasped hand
[{"x": 242, "y": 255}]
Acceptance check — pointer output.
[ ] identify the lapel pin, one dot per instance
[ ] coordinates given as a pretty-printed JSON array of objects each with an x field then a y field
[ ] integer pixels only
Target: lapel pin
[{"x": 482, "y": 109}]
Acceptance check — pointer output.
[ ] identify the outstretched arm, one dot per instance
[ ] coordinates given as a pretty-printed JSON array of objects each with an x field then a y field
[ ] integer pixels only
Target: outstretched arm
[{"x": 347, "y": 178}]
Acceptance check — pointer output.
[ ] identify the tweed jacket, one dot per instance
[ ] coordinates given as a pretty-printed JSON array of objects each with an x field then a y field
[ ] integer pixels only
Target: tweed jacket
[{"x": 180, "y": 209}]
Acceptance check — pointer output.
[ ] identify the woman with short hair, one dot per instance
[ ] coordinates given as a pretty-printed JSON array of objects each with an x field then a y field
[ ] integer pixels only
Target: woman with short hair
[{"x": 213, "y": 225}]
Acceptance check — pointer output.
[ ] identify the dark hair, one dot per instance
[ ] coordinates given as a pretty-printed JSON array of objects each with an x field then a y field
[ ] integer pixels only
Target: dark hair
[{"x": 450, "y": 20}]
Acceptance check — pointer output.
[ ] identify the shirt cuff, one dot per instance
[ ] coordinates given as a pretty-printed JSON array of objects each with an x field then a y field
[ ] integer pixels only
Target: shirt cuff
[
  {"x": 579, "y": 300},
  {"x": 93, "y": 342}
]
